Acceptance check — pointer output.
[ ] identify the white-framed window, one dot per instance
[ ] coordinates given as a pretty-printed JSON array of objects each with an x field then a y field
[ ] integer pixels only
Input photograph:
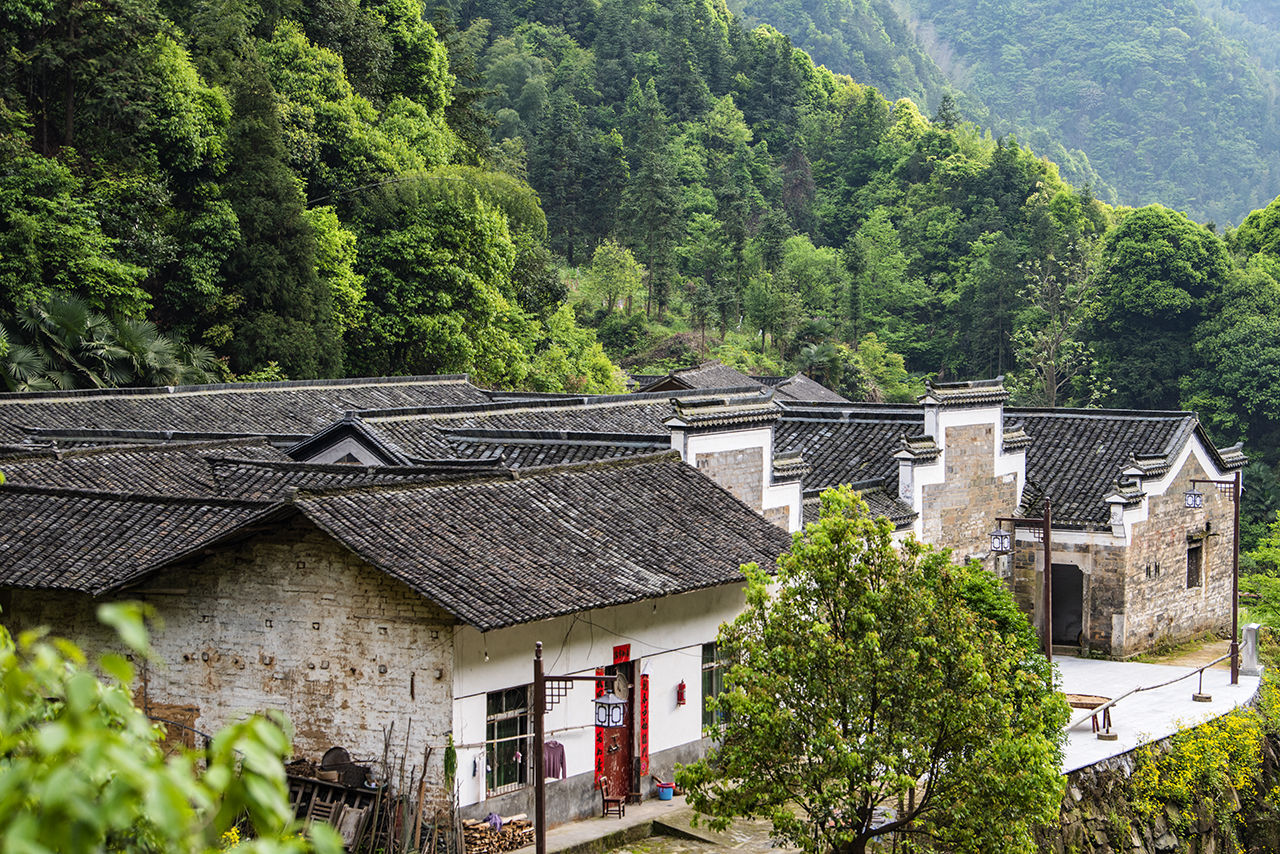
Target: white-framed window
[
  {"x": 507, "y": 740},
  {"x": 712, "y": 683}
]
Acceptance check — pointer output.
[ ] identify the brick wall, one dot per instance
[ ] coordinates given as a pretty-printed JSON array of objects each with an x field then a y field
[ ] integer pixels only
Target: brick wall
[
  {"x": 960, "y": 512},
  {"x": 1159, "y": 605},
  {"x": 740, "y": 470},
  {"x": 288, "y": 621}
]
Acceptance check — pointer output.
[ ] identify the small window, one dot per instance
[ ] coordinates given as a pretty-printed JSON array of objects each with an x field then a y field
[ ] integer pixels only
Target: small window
[
  {"x": 1195, "y": 563},
  {"x": 507, "y": 742},
  {"x": 712, "y": 684}
]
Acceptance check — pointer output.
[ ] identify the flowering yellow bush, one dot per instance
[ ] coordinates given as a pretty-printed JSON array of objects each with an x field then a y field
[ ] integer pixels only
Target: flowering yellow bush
[{"x": 1202, "y": 764}]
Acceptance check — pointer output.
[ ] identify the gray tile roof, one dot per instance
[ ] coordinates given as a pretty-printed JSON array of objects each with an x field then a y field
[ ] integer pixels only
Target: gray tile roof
[
  {"x": 492, "y": 550},
  {"x": 183, "y": 468},
  {"x": 528, "y": 448},
  {"x": 716, "y": 375},
  {"x": 88, "y": 542},
  {"x": 848, "y": 444},
  {"x": 420, "y": 432},
  {"x": 1077, "y": 455},
  {"x": 261, "y": 480},
  {"x": 552, "y": 542},
  {"x": 290, "y": 408}
]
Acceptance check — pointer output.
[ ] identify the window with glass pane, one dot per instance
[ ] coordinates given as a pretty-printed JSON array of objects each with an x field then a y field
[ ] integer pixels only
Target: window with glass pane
[
  {"x": 712, "y": 683},
  {"x": 507, "y": 740}
]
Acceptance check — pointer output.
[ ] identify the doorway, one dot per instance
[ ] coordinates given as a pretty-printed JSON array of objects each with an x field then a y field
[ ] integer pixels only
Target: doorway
[
  {"x": 1068, "y": 604},
  {"x": 613, "y": 744}
]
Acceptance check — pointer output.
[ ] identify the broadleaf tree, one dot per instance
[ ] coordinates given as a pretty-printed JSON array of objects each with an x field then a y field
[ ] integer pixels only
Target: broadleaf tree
[{"x": 874, "y": 689}]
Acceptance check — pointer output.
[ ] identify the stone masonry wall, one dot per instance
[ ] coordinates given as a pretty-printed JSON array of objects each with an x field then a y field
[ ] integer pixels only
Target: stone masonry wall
[
  {"x": 292, "y": 622},
  {"x": 1103, "y": 568},
  {"x": 1159, "y": 606},
  {"x": 741, "y": 471},
  {"x": 960, "y": 512}
]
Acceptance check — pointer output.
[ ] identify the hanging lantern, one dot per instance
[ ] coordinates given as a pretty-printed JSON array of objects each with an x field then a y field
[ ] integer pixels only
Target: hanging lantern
[
  {"x": 1001, "y": 541},
  {"x": 609, "y": 710},
  {"x": 1193, "y": 499}
]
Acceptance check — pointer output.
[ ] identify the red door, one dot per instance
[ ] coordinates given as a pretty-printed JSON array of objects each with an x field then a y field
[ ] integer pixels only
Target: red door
[{"x": 613, "y": 744}]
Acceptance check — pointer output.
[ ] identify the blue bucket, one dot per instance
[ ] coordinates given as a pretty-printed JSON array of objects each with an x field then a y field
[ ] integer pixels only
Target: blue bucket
[{"x": 665, "y": 791}]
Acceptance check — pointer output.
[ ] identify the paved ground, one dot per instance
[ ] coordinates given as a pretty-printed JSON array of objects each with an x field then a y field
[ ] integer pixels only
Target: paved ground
[
  {"x": 1196, "y": 656},
  {"x": 655, "y": 827},
  {"x": 1147, "y": 716}
]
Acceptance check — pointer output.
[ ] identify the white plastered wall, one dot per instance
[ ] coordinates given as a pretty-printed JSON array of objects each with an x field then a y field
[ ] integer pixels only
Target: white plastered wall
[
  {"x": 912, "y": 478},
  {"x": 787, "y": 494},
  {"x": 665, "y": 635}
]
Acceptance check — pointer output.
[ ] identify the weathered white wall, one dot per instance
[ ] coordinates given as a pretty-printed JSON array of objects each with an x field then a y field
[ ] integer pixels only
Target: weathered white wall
[
  {"x": 782, "y": 501},
  {"x": 666, "y": 637},
  {"x": 288, "y": 621}
]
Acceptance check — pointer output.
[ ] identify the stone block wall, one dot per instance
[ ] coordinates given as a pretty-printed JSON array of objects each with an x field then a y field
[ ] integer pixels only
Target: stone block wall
[
  {"x": 1104, "y": 569},
  {"x": 739, "y": 470},
  {"x": 960, "y": 512},
  {"x": 286, "y": 621},
  {"x": 1159, "y": 607}
]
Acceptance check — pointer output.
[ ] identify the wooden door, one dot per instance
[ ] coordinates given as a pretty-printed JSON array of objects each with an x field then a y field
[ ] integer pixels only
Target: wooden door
[{"x": 615, "y": 742}]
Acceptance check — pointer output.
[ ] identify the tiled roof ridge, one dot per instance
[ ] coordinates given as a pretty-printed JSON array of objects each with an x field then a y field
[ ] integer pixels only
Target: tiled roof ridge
[
  {"x": 162, "y": 435},
  {"x": 495, "y": 476},
  {"x": 965, "y": 392},
  {"x": 138, "y": 497},
  {"x": 517, "y": 406},
  {"x": 599, "y": 437},
  {"x": 791, "y": 413},
  {"x": 55, "y": 453},
  {"x": 212, "y": 388},
  {"x": 348, "y": 468},
  {"x": 1100, "y": 413}
]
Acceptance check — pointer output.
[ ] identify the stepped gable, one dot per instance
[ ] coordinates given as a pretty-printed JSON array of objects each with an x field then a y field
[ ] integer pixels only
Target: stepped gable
[
  {"x": 989, "y": 392},
  {"x": 91, "y": 541},
  {"x": 183, "y": 468},
  {"x": 530, "y": 448},
  {"x": 553, "y": 541},
  {"x": 1076, "y": 456},
  {"x": 423, "y": 432},
  {"x": 848, "y": 443},
  {"x": 291, "y": 409}
]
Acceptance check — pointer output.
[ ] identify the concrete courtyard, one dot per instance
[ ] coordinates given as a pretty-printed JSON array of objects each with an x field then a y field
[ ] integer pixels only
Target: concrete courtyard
[{"x": 1147, "y": 716}]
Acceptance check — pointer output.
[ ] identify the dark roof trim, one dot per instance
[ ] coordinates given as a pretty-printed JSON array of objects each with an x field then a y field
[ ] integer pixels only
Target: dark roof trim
[
  {"x": 354, "y": 429},
  {"x": 165, "y": 391},
  {"x": 540, "y": 437},
  {"x": 74, "y": 434},
  {"x": 557, "y": 403},
  {"x": 137, "y": 497},
  {"x": 53, "y": 452}
]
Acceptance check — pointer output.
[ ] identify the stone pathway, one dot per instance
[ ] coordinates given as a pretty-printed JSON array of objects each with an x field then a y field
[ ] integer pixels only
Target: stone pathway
[{"x": 1196, "y": 656}]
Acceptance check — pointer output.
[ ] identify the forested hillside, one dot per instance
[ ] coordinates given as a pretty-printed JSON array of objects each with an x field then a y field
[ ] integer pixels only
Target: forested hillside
[
  {"x": 287, "y": 188},
  {"x": 1148, "y": 102},
  {"x": 226, "y": 189}
]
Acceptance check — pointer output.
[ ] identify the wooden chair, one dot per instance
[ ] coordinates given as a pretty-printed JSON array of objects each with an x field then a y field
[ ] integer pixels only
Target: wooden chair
[{"x": 611, "y": 805}]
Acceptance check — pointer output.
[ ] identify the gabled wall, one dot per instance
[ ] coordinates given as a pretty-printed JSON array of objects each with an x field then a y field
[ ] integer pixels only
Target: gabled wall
[{"x": 287, "y": 621}]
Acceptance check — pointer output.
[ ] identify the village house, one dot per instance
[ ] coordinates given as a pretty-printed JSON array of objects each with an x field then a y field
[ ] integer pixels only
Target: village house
[
  {"x": 333, "y": 548},
  {"x": 411, "y": 602}
]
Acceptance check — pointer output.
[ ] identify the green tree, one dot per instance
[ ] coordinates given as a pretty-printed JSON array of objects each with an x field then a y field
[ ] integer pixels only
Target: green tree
[
  {"x": 868, "y": 675},
  {"x": 284, "y": 311},
  {"x": 1161, "y": 272},
  {"x": 651, "y": 202},
  {"x": 1049, "y": 342},
  {"x": 613, "y": 278},
  {"x": 81, "y": 767},
  {"x": 437, "y": 262}
]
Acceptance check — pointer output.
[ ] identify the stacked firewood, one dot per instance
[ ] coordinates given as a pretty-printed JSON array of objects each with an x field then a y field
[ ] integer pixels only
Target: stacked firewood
[{"x": 480, "y": 837}]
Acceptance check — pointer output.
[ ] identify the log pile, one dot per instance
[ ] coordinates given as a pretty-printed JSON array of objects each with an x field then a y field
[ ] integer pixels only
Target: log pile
[{"x": 479, "y": 836}]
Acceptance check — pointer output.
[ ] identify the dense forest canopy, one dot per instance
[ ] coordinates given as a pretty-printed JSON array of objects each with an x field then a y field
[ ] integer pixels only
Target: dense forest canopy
[
  {"x": 244, "y": 189},
  {"x": 1164, "y": 102}
]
